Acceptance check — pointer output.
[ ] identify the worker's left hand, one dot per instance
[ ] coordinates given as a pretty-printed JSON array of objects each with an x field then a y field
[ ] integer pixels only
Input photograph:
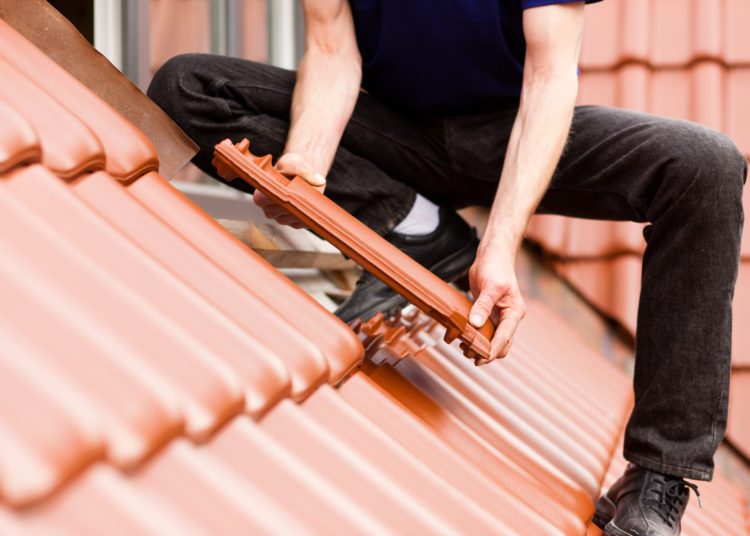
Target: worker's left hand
[
  {"x": 291, "y": 165},
  {"x": 497, "y": 296}
]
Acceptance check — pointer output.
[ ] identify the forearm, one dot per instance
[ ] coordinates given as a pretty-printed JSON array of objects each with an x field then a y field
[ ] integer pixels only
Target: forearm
[
  {"x": 323, "y": 100},
  {"x": 536, "y": 143}
]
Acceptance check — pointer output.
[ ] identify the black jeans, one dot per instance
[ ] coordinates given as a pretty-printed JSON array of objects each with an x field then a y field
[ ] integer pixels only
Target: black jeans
[{"x": 684, "y": 179}]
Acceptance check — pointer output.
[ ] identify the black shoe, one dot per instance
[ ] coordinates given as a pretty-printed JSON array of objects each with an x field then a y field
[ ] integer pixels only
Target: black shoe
[
  {"x": 643, "y": 503},
  {"x": 448, "y": 252}
]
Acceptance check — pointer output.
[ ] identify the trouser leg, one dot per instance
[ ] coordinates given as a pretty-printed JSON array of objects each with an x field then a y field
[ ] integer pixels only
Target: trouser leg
[
  {"x": 686, "y": 181},
  {"x": 382, "y": 158}
]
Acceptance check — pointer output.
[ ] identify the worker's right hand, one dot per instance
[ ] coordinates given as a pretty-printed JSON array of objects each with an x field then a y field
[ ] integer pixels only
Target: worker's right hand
[{"x": 291, "y": 165}]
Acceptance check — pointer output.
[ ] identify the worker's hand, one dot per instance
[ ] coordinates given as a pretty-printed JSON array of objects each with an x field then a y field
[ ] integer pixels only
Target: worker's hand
[
  {"x": 495, "y": 288},
  {"x": 291, "y": 165}
]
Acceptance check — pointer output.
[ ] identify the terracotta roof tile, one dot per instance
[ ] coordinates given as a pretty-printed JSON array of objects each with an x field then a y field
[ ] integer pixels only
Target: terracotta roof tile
[
  {"x": 303, "y": 359},
  {"x": 737, "y": 40},
  {"x": 741, "y": 314},
  {"x": 359, "y": 434},
  {"x": 19, "y": 143},
  {"x": 340, "y": 347},
  {"x": 183, "y": 477},
  {"x": 256, "y": 457},
  {"x": 611, "y": 285},
  {"x": 737, "y": 108},
  {"x": 664, "y": 33},
  {"x": 371, "y": 400},
  {"x": 49, "y": 435},
  {"x": 45, "y": 267},
  {"x": 202, "y": 325},
  {"x": 70, "y": 148},
  {"x": 136, "y": 415},
  {"x": 129, "y": 152}
]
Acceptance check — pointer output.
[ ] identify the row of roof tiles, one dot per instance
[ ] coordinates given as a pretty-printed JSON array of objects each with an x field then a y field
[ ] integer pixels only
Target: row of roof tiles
[
  {"x": 181, "y": 385},
  {"x": 666, "y": 33}
]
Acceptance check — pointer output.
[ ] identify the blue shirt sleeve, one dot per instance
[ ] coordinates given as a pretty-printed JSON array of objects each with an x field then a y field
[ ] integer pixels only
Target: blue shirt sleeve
[{"x": 526, "y": 4}]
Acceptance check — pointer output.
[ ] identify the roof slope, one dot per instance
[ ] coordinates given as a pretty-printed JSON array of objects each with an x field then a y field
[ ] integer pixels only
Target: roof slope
[{"x": 157, "y": 377}]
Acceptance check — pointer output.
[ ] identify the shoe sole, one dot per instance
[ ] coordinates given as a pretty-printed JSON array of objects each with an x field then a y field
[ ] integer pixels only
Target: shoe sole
[{"x": 612, "y": 530}]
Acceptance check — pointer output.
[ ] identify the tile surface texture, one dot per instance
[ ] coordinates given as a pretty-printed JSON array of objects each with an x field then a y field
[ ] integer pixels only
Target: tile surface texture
[{"x": 157, "y": 377}]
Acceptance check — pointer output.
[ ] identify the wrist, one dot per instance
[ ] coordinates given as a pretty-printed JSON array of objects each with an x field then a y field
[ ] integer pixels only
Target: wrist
[{"x": 501, "y": 241}]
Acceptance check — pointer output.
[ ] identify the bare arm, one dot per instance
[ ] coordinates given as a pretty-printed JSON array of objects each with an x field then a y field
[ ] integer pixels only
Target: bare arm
[
  {"x": 328, "y": 82},
  {"x": 550, "y": 86}
]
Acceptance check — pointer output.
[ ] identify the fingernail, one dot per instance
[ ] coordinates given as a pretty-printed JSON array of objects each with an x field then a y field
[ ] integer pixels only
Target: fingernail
[
  {"x": 475, "y": 319},
  {"x": 320, "y": 180}
]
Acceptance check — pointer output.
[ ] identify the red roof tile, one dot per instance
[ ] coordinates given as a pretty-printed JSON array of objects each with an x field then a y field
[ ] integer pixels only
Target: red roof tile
[
  {"x": 303, "y": 359},
  {"x": 70, "y": 148},
  {"x": 135, "y": 411},
  {"x": 340, "y": 347},
  {"x": 612, "y": 285},
  {"x": 48, "y": 436},
  {"x": 664, "y": 33},
  {"x": 19, "y": 143},
  {"x": 740, "y": 316},
  {"x": 129, "y": 152}
]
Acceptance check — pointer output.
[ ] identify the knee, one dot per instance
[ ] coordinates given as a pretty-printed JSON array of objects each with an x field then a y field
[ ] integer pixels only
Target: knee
[
  {"x": 171, "y": 81},
  {"x": 712, "y": 159}
]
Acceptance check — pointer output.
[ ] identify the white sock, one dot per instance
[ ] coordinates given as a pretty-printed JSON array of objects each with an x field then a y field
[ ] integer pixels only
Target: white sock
[{"x": 423, "y": 218}]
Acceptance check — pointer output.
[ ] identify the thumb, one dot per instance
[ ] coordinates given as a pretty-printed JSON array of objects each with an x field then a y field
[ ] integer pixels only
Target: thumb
[
  {"x": 294, "y": 164},
  {"x": 482, "y": 308}
]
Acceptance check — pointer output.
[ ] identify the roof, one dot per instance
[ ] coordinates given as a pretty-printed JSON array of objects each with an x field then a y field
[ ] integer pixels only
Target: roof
[{"x": 157, "y": 377}]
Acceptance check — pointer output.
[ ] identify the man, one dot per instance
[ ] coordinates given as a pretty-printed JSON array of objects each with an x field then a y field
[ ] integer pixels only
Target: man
[{"x": 473, "y": 102}]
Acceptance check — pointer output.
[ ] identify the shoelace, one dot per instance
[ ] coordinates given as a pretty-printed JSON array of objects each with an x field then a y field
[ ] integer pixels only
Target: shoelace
[{"x": 670, "y": 498}]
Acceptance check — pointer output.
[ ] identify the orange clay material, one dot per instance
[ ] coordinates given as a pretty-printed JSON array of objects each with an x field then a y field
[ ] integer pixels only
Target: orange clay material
[
  {"x": 69, "y": 146},
  {"x": 363, "y": 394},
  {"x": 304, "y": 361},
  {"x": 132, "y": 409},
  {"x": 129, "y": 152},
  {"x": 47, "y": 433},
  {"x": 501, "y": 461},
  {"x": 374, "y": 253},
  {"x": 19, "y": 143},
  {"x": 264, "y": 380},
  {"x": 334, "y": 339}
]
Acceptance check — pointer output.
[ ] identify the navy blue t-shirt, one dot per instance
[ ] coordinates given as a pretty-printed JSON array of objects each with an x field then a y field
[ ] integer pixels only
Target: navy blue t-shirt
[{"x": 437, "y": 56}]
